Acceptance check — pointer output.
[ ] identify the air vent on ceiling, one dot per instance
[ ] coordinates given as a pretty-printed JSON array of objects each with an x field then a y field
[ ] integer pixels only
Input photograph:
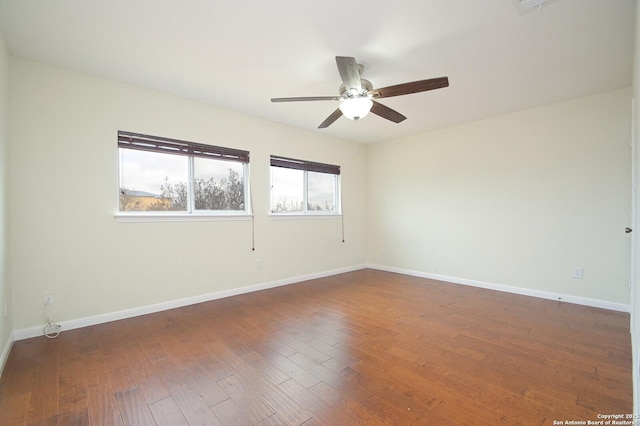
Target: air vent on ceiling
[{"x": 524, "y": 6}]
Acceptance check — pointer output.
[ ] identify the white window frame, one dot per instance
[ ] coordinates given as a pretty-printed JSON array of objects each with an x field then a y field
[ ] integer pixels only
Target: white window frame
[
  {"x": 190, "y": 150},
  {"x": 306, "y": 167}
]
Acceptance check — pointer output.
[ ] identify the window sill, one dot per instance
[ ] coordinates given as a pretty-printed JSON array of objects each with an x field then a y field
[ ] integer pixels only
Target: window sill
[
  {"x": 280, "y": 216},
  {"x": 146, "y": 217}
]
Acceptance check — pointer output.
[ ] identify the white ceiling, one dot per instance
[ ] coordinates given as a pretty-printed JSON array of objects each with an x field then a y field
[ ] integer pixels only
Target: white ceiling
[{"x": 239, "y": 54}]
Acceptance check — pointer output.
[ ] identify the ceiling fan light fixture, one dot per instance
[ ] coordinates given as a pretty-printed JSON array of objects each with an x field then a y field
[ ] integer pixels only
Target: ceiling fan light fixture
[{"x": 356, "y": 108}]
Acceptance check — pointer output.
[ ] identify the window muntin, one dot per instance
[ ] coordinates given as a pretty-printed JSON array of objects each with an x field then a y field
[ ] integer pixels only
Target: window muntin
[
  {"x": 303, "y": 187},
  {"x": 160, "y": 175}
]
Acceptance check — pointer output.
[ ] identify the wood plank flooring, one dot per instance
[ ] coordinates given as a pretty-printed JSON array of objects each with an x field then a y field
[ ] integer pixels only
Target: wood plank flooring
[{"x": 362, "y": 348}]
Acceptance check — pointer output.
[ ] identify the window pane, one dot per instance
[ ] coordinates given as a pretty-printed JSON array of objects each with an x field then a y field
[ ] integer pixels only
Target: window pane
[
  {"x": 151, "y": 181},
  {"x": 218, "y": 185},
  {"x": 321, "y": 192},
  {"x": 287, "y": 186}
]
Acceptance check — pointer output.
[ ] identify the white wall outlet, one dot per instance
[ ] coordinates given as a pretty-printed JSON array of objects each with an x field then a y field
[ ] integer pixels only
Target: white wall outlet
[
  {"x": 5, "y": 309},
  {"x": 578, "y": 272},
  {"x": 258, "y": 264},
  {"x": 48, "y": 299}
]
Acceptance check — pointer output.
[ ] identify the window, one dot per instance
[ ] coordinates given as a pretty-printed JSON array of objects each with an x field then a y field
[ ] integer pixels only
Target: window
[
  {"x": 304, "y": 187},
  {"x": 160, "y": 175}
]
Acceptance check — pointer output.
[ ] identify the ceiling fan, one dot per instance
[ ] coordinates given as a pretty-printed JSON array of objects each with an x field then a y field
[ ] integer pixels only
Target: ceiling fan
[{"x": 357, "y": 96}]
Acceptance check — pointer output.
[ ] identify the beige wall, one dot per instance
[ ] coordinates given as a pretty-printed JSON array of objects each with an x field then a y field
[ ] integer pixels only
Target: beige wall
[
  {"x": 63, "y": 194},
  {"x": 517, "y": 200},
  {"x": 5, "y": 288}
]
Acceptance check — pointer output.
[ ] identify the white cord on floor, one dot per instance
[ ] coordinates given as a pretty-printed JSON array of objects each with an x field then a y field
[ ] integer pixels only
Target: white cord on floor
[{"x": 50, "y": 328}]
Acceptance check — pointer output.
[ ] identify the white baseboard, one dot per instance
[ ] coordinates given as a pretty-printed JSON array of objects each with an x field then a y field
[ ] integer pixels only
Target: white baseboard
[
  {"x": 28, "y": 333},
  {"x": 149, "y": 309},
  {"x": 5, "y": 352},
  {"x": 596, "y": 303}
]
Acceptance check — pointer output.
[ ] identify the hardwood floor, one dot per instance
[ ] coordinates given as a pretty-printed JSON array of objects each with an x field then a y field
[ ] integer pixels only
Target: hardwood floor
[{"x": 361, "y": 348}]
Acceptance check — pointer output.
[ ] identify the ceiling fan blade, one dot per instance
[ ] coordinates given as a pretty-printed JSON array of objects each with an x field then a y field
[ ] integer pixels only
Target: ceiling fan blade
[
  {"x": 413, "y": 87},
  {"x": 330, "y": 119},
  {"x": 349, "y": 72},
  {"x": 307, "y": 98},
  {"x": 386, "y": 112}
]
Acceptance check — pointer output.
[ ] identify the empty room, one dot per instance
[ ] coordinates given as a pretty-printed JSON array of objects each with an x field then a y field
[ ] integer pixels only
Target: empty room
[{"x": 328, "y": 213}]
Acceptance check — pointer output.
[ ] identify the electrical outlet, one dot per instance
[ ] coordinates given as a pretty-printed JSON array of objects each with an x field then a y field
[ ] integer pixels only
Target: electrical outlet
[
  {"x": 5, "y": 310},
  {"x": 48, "y": 299},
  {"x": 258, "y": 264},
  {"x": 578, "y": 273}
]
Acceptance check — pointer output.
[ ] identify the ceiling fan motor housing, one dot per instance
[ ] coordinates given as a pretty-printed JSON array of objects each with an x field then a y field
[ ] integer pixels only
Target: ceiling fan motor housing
[{"x": 349, "y": 93}]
